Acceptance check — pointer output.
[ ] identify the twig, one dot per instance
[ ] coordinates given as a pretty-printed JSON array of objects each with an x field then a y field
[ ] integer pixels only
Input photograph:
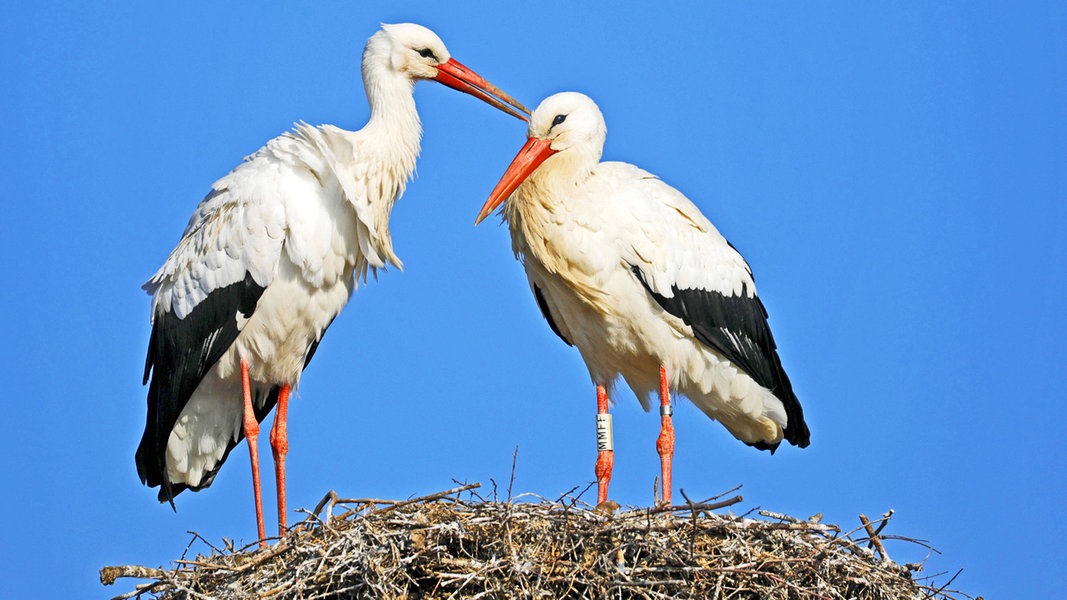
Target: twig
[
  {"x": 263, "y": 557},
  {"x": 195, "y": 537},
  {"x": 431, "y": 497},
  {"x": 729, "y": 491},
  {"x": 884, "y": 521},
  {"x": 694, "y": 507},
  {"x": 511, "y": 481},
  {"x": 332, "y": 498},
  {"x": 873, "y": 536},
  {"x": 947, "y": 583},
  {"x": 569, "y": 492},
  {"x": 143, "y": 588}
]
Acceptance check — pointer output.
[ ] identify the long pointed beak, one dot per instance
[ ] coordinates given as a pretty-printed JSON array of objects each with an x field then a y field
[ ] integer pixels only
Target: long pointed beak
[
  {"x": 456, "y": 76},
  {"x": 526, "y": 162}
]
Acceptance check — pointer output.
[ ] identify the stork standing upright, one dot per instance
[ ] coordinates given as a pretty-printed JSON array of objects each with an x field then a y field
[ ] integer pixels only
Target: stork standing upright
[
  {"x": 628, "y": 270},
  {"x": 267, "y": 261}
]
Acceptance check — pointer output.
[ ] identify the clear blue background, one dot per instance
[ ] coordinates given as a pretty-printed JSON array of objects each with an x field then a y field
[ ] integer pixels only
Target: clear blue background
[{"x": 895, "y": 173}]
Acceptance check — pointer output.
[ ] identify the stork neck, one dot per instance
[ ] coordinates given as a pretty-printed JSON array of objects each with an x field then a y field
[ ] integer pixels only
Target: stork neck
[
  {"x": 393, "y": 116},
  {"x": 564, "y": 171}
]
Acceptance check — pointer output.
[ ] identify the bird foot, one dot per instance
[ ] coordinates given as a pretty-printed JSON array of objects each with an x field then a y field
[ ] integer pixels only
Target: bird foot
[{"x": 606, "y": 508}]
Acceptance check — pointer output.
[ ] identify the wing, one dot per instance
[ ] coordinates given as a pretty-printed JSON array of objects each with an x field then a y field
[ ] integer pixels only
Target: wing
[
  {"x": 693, "y": 273},
  {"x": 369, "y": 186},
  {"x": 180, "y": 352},
  {"x": 305, "y": 194},
  {"x": 546, "y": 312},
  {"x": 261, "y": 407},
  {"x": 202, "y": 296}
]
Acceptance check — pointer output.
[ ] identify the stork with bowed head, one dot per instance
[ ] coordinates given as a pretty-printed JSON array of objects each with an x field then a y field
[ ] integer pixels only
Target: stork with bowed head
[
  {"x": 267, "y": 261},
  {"x": 628, "y": 270}
]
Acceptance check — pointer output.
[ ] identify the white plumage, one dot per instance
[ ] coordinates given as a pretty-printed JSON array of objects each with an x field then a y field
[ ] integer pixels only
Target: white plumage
[
  {"x": 271, "y": 256},
  {"x": 631, "y": 273}
]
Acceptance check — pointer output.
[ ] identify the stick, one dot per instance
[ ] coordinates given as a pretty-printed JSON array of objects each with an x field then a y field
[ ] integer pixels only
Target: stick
[
  {"x": 108, "y": 575},
  {"x": 695, "y": 507},
  {"x": 947, "y": 583},
  {"x": 873, "y": 537},
  {"x": 884, "y": 521},
  {"x": 264, "y": 557},
  {"x": 399, "y": 503},
  {"x": 780, "y": 516},
  {"x": 332, "y": 498}
]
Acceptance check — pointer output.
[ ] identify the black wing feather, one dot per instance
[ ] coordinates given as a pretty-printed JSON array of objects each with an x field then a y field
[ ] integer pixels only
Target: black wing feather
[
  {"x": 180, "y": 353},
  {"x": 543, "y": 305},
  {"x": 736, "y": 327},
  {"x": 259, "y": 408}
]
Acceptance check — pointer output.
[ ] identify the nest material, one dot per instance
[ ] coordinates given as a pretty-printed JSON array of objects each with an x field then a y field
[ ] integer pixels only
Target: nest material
[{"x": 442, "y": 546}]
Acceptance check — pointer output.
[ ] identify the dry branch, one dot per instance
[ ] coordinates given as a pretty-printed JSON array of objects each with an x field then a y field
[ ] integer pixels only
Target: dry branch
[{"x": 442, "y": 546}]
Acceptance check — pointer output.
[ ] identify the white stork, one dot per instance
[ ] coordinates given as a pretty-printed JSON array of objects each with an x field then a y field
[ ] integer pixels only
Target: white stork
[
  {"x": 628, "y": 270},
  {"x": 268, "y": 260}
]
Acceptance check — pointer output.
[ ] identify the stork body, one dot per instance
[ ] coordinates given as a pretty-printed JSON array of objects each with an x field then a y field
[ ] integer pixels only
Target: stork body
[
  {"x": 627, "y": 269},
  {"x": 268, "y": 260}
]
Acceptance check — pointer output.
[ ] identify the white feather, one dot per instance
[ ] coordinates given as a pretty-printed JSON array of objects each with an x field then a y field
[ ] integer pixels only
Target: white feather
[
  {"x": 307, "y": 215},
  {"x": 579, "y": 225}
]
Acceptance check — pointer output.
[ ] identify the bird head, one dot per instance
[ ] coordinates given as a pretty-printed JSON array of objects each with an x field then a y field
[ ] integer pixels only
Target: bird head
[
  {"x": 569, "y": 120},
  {"x": 418, "y": 53},
  {"x": 568, "y": 126}
]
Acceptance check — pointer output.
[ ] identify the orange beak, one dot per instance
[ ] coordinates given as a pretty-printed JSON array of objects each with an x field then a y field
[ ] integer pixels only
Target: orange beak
[
  {"x": 458, "y": 77},
  {"x": 535, "y": 152}
]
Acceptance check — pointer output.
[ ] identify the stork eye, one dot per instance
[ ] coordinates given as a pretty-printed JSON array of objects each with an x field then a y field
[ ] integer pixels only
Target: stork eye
[
  {"x": 559, "y": 119},
  {"x": 427, "y": 53}
]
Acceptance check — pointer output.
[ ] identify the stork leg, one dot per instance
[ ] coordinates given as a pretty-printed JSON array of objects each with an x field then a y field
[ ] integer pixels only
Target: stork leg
[
  {"x": 665, "y": 441},
  {"x": 251, "y": 427},
  {"x": 605, "y": 445},
  {"x": 279, "y": 443}
]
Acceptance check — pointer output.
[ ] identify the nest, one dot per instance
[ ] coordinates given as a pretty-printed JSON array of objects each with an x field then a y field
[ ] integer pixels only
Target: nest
[{"x": 445, "y": 546}]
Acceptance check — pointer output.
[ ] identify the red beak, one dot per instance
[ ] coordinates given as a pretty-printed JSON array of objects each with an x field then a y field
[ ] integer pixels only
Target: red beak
[
  {"x": 458, "y": 77},
  {"x": 526, "y": 162}
]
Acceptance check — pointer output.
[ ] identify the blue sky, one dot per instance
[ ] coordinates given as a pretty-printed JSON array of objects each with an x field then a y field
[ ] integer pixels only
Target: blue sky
[{"x": 895, "y": 173}]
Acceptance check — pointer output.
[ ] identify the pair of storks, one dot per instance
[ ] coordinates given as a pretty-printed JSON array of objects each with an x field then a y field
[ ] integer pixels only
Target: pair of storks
[{"x": 623, "y": 267}]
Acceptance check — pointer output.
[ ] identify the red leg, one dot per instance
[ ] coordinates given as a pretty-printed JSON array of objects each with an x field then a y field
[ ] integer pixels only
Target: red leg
[
  {"x": 605, "y": 445},
  {"x": 665, "y": 441},
  {"x": 279, "y": 443},
  {"x": 251, "y": 427}
]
